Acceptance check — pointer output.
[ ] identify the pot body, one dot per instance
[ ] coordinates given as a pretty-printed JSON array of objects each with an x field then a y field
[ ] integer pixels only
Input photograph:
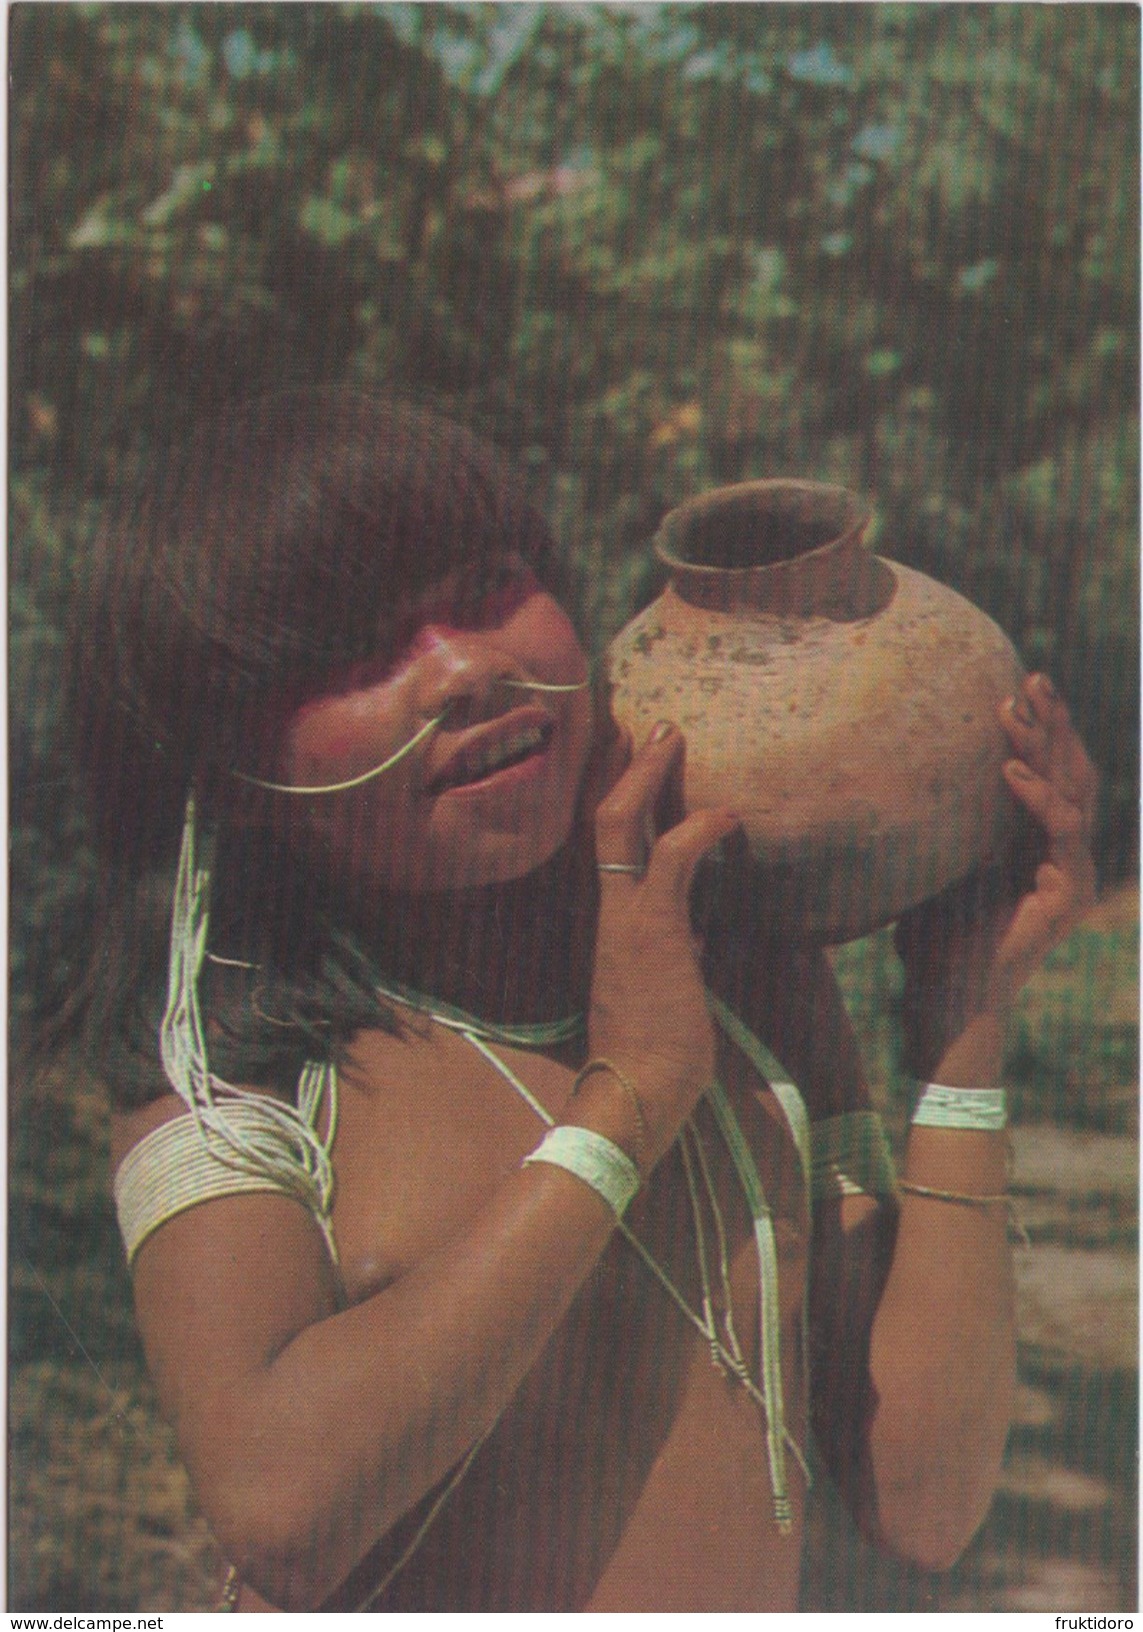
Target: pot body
[{"x": 843, "y": 704}]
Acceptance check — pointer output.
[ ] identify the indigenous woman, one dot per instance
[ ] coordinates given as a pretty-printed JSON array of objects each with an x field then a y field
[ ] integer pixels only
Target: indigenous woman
[{"x": 484, "y": 1257}]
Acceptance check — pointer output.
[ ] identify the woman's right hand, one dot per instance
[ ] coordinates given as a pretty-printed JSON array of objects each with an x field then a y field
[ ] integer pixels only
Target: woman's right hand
[{"x": 648, "y": 1011}]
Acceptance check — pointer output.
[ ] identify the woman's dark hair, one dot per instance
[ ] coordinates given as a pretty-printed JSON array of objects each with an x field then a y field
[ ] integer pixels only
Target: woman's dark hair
[{"x": 269, "y": 553}]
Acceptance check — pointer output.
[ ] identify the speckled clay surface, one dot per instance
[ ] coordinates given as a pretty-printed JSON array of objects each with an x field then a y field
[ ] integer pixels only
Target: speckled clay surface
[{"x": 862, "y": 751}]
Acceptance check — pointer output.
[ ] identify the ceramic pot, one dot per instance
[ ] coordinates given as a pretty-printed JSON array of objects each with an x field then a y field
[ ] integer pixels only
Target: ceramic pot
[{"x": 843, "y": 704}]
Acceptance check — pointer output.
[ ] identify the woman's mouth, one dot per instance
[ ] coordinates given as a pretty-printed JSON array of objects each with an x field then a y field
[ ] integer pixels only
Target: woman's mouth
[{"x": 481, "y": 761}]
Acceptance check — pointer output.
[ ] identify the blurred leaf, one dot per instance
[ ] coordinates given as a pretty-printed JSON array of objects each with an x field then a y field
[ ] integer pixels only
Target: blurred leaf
[
  {"x": 818, "y": 66},
  {"x": 327, "y": 221},
  {"x": 974, "y": 278},
  {"x": 876, "y": 142},
  {"x": 880, "y": 364}
]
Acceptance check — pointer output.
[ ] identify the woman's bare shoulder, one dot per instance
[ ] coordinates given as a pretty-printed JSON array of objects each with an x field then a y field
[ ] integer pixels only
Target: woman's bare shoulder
[{"x": 129, "y": 1126}]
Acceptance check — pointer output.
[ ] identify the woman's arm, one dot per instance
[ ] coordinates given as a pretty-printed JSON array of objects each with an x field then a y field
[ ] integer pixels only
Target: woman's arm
[
  {"x": 912, "y": 1305},
  {"x": 912, "y": 1331},
  {"x": 310, "y": 1430},
  {"x": 943, "y": 1346}
]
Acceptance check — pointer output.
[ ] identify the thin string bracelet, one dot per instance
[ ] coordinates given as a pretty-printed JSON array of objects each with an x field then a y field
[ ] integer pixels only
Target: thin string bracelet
[
  {"x": 642, "y": 1135},
  {"x": 962, "y": 1198}
]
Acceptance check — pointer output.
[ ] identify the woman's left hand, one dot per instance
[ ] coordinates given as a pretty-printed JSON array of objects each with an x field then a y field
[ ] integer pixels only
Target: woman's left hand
[{"x": 974, "y": 947}]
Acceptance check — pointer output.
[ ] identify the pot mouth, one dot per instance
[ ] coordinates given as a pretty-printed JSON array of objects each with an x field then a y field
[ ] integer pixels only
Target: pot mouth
[{"x": 756, "y": 525}]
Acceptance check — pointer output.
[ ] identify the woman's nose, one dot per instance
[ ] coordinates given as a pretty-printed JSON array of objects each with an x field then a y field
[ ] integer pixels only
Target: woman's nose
[{"x": 464, "y": 671}]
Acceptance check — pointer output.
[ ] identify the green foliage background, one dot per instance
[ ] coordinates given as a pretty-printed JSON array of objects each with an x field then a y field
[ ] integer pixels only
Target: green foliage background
[{"x": 648, "y": 248}]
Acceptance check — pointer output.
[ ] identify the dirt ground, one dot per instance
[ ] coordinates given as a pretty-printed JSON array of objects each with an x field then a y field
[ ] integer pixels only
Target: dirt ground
[{"x": 100, "y": 1515}]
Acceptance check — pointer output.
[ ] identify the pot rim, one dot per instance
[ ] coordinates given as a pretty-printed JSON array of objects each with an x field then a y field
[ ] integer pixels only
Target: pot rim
[{"x": 854, "y": 515}]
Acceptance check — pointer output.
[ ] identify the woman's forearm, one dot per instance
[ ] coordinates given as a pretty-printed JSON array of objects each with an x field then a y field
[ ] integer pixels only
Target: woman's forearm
[
  {"x": 942, "y": 1350},
  {"x": 943, "y": 1345}
]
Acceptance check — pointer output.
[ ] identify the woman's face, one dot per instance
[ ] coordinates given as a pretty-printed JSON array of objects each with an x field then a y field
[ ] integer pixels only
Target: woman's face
[{"x": 490, "y": 793}]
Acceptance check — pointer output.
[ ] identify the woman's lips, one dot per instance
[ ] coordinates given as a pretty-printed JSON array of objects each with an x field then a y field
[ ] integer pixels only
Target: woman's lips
[{"x": 510, "y": 745}]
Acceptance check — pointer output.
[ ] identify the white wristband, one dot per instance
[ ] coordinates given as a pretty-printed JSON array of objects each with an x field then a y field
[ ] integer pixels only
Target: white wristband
[
  {"x": 596, "y": 1160},
  {"x": 985, "y": 1109}
]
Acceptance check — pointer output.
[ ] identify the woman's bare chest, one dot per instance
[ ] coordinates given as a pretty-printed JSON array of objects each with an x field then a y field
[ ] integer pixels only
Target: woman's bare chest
[
  {"x": 430, "y": 1127},
  {"x": 629, "y": 1411}
]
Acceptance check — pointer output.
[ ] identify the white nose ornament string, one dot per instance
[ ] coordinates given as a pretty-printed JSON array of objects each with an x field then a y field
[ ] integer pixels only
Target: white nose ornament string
[
  {"x": 395, "y": 758},
  {"x": 354, "y": 781}
]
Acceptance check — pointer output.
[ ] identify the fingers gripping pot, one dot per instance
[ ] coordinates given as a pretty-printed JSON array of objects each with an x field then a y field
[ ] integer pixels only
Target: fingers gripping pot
[{"x": 843, "y": 704}]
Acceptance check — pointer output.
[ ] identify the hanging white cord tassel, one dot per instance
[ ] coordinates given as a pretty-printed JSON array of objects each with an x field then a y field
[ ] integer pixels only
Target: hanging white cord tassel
[{"x": 283, "y": 1143}]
